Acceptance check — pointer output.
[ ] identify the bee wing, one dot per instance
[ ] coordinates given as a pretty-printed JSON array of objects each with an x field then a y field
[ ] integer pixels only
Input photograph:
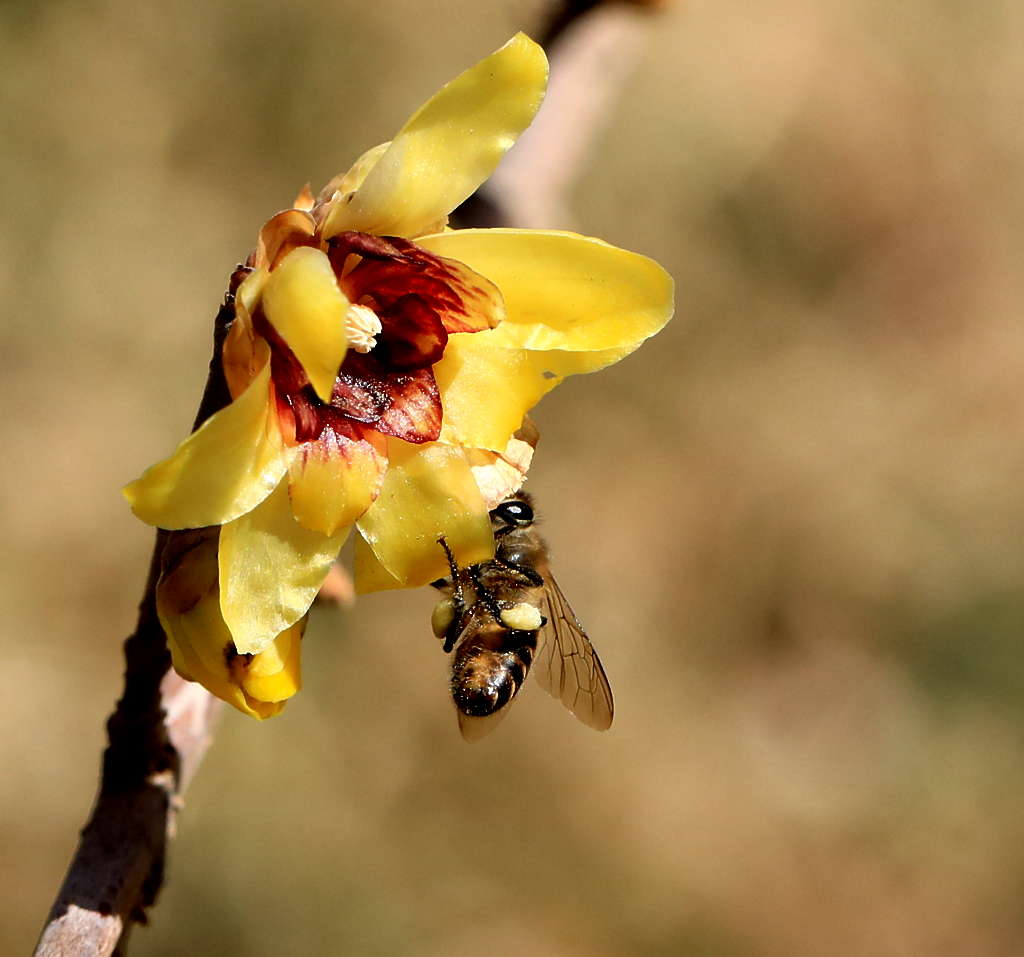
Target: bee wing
[
  {"x": 567, "y": 666},
  {"x": 473, "y": 729}
]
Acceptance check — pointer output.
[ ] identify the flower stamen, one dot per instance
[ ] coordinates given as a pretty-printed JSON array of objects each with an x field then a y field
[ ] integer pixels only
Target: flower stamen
[{"x": 362, "y": 326}]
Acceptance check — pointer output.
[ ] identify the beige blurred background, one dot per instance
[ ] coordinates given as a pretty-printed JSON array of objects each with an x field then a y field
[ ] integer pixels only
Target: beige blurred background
[{"x": 793, "y": 523}]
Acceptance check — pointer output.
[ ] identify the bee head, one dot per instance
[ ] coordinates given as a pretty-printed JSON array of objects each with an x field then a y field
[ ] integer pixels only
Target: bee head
[{"x": 513, "y": 512}]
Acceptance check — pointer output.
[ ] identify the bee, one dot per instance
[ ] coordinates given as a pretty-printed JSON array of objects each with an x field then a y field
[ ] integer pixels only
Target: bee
[{"x": 501, "y": 614}]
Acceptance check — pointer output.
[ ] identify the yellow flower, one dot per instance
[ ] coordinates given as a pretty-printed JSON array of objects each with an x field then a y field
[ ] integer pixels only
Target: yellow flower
[
  {"x": 201, "y": 646},
  {"x": 376, "y": 356}
]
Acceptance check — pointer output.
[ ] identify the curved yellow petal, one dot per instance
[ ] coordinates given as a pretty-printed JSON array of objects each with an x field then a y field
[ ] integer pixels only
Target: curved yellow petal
[
  {"x": 333, "y": 481},
  {"x": 250, "y": 290},
  {"x": 244, "y": 353},
  {"x": 369, "y": 575},
  {"x": 270, "y": 571},
  {"x": 304, "y": 304},
  {"x": 428, "y": 491},
  {"x": 275, "y": 674},
  {"x": 339, "y": 186},
  {"x": 211, "y": 669},
  {"x": 563, "y": 290},
  {"x": 221, "y": 471},
  {"x": 449, "y": 146},
  {"x": 198, "y": 639},
  {"x": 282, "y": 233},
  {"x": 486, "y": 389}
]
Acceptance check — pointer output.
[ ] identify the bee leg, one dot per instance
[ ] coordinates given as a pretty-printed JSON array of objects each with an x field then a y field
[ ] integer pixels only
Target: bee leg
[
  {"x": 530, "y": 576},
  {"x": 458, "y": 595},
  {"x": 484, "y": 594},
  {"x": 455, "y": 583}
]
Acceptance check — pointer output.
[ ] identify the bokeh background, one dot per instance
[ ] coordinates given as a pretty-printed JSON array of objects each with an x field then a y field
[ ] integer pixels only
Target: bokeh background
[{"x": 793, "y": 523}]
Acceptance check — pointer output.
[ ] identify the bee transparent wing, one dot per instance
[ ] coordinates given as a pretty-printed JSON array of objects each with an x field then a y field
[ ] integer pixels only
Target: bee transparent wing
[
  {"x": 567, "y": 666},
  {"x": 473, "y": 729}
]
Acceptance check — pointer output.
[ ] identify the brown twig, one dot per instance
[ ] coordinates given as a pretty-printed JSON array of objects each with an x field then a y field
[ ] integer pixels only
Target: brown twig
[{"x": 157, "y": 736}]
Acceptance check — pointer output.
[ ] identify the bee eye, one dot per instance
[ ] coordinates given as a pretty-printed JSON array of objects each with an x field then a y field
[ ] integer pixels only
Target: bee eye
[{"x": 514, "y": 512}]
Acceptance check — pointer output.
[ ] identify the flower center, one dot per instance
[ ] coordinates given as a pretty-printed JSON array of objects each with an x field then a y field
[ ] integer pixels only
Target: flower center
[{"x": 361, "y": 325}]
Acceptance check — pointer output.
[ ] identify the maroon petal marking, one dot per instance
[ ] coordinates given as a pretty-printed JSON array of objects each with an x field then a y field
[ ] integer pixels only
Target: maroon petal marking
[
  {"x": 359, "y": 398},
  {"x": 346, "y": 244},
  {"x": 412, "y": 334},
  {"x": 304, "y": 411},
  {"x": 285, "y": 369},
  {"x": 338, "y": 428},
  {"x": 413, "y": 412},
  {"x": 392, "y": 268}
]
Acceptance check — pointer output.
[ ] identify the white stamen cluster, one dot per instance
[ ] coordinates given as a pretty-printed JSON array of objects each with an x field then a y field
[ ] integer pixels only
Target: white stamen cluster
[{"x": 361, "y": 326}]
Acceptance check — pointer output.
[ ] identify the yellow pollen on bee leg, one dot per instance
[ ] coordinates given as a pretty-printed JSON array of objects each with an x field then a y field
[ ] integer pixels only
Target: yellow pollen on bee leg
[
  {"x": 361, "y": 326},
  {"x": 522, "y": 617},
  {"x": 442, "y": 617}
]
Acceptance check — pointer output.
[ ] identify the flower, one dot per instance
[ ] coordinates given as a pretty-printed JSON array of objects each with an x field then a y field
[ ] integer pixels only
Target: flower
[
  {"x": 378, "y": 361},
  {"x": 201, "y": 646}
]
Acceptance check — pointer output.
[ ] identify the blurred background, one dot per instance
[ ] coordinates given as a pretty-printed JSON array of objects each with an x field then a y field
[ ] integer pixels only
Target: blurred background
[{"x": 793, "y": 523}]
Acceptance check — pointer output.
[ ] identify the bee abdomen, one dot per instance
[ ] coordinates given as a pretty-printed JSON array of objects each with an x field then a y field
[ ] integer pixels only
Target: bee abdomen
[{"x": 490, "y": 668}]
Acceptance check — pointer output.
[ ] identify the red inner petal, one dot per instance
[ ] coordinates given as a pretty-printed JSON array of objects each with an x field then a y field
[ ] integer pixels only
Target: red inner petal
[
  {"x": 359, "y": 398},
  {"x": 412, "y": 335},
  {"x": 393, "y": 268},
  {"x": 339, "y": 431},
  {"x": 346, "y": 244},
  {"x": 413, "y": 412}
]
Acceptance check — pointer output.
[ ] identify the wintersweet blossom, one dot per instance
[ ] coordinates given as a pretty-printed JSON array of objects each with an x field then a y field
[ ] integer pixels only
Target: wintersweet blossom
[
  {"x": 200, "y": 643},
  {"x": 375, "y": 360}
]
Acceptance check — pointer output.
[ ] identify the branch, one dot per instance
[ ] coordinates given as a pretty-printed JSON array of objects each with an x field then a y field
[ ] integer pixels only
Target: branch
[{"x": 157, "y": 735}]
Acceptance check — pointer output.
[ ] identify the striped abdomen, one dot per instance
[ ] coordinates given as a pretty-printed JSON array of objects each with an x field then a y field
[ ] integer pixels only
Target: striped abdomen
[{"x": 490, "y": 666}]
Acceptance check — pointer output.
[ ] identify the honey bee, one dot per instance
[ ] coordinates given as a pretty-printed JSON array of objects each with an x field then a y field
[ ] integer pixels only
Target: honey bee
[{"x": 495, "y": 616}]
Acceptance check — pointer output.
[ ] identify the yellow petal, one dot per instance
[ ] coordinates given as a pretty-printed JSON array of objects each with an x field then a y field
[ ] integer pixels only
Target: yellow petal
[
  {"x": 304, "y": 304},
  {"x": 275, "y": 674},
  {"x": 198, "y": 639},
  {"x": 305, "y": 200},
  {"x": 486, "y": 389},
  {"x": 244, "y": 353},
  {"x": 282, "y": 233},
  {"x": 352, "y": 179},
  {"x": 270, "y": 571},
  {"x": 333, "y": 481},
  {"x": 428, "y": 491},
  {"x": 250, "y": 290},
  {"x": 562, "y": 290},
  {"x": 221, "y": 471},
  {"x": 211, "y": 670},
  {"x": 369, "y": 574},
  {"x": 449, "y": 146}
]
